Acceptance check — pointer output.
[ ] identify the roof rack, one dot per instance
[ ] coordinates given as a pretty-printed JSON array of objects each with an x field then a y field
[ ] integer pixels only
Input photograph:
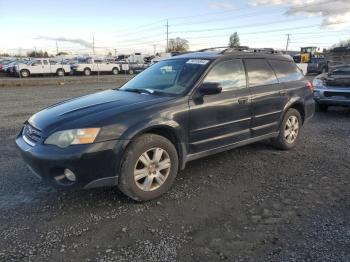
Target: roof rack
[{"x": 226, "y": 50}]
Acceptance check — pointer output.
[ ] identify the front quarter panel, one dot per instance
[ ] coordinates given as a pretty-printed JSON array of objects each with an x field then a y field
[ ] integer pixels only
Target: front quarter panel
[{"x": 171, "y": 114}]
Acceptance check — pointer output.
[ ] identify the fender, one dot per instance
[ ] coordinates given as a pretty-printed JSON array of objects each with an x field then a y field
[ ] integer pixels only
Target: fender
[
  {"x": 164, "y": 123},
  {"x": 292, "y": 101}
]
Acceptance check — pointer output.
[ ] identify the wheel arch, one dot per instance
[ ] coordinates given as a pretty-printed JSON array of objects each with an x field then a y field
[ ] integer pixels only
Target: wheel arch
[
  {"x": 298, "y": 105},
  {"x": 170, "y": 131}
]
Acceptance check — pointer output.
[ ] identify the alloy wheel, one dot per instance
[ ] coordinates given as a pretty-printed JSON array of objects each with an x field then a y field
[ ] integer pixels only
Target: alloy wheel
[
  {"x": 152, "y": 169},
  {"x": 291, "y": 130}
]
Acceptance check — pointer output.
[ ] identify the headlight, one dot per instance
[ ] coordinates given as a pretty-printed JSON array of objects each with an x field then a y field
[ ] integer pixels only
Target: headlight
[
  {"x": 73, "y": 137},
  {"x": 318, "y": 83}
]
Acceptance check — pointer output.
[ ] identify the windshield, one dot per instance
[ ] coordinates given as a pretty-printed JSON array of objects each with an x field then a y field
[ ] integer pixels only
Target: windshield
[{"x": 171, "y": 77}]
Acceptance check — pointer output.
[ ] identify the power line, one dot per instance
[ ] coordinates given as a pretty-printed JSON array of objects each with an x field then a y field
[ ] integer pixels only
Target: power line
[
  {"x": 141, "y": 26},
  {"x": 254, "y": 14},
  {"x": 241, "y": 26},
  {"x": 240, "y": 9}
]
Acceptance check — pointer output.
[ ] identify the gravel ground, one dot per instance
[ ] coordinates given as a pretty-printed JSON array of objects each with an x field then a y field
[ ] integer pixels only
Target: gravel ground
[
  {"x": 38, "y": 80},
  {"x": 249, "y": 204}
]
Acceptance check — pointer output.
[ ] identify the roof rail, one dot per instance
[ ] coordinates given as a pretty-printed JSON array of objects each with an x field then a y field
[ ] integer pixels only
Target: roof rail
[
  {"x": 252, "y": 50},
  {"x": 226, "y": 49},
  {"x": 212, "y": 48}
]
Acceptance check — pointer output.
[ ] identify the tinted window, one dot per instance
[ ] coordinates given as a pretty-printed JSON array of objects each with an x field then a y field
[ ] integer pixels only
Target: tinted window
[
  {"x": 45, "y": 62},
  {"x": 36, "y": 63},
  {"x": 230, "y": 74},
  {"x": 259, "y": 72},
  {"x": 286, "y": 71}
]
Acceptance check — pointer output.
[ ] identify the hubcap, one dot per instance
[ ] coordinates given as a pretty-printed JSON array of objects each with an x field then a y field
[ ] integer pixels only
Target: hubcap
[
  {"x": 291, "y": 130},
  {"x": 152, "y": 169}
]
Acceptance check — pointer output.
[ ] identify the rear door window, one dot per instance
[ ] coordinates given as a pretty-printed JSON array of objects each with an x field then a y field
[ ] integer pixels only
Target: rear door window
[
  {"x": 286, "y": 71},
  {"x": 259, "y": 72},
  {"x": 230, "y": 74}
]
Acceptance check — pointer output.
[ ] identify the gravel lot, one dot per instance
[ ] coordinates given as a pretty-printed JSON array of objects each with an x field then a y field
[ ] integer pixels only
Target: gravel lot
[{"x": 249, "y": 204}]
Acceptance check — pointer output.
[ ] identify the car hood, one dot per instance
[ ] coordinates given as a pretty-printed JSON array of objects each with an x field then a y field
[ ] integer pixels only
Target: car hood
[{"x": 88, "y": 110}]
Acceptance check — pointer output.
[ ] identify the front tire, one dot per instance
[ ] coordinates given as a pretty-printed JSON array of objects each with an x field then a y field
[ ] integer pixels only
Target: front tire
[
  {"x": 289, "y": 130},
  {"x": 149, "y": 167},
  {"x": 24, "y": 73}
]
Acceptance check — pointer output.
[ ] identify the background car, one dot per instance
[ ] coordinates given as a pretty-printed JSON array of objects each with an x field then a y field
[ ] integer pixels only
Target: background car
[
  {"x": 317, "y": 65},
  {"x": 332, "y": 89}
]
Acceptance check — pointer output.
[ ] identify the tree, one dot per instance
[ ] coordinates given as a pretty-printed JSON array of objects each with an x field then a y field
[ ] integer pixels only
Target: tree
[
  {"x": 40, "y": 54},
  {"x": 234, "y": 40},
  {"x": 62, "y": 53},
  {"x": 178, "y": 44},
  {"x": 345, "y": 43}
]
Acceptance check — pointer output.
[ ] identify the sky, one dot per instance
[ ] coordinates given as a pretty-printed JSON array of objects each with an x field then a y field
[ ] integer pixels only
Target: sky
[{"x": 140, "y": 25}]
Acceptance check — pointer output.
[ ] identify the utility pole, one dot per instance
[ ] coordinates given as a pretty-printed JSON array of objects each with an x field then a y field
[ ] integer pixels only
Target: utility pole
[
  {"x": 93, "y": 44},
  {"x": 56, "y": 47},
  {"x": 154, "y": 49},
  {"x": 288, "y": 40},
  {"x": 115, "y": 52},
  {"x": 167, "y": 35}
]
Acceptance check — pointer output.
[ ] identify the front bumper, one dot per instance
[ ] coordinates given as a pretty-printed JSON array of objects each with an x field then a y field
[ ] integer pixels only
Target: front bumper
[
  {"x": 95, "y": 165},
  {"x": 332, "y": 96}
]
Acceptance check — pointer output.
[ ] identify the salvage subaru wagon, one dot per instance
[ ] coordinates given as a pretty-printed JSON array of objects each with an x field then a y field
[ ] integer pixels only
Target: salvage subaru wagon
[{"x": 191, "y": 106}]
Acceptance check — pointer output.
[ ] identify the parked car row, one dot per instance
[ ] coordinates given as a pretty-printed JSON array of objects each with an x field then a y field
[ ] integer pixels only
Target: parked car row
[{"x": 79, "y": 66}]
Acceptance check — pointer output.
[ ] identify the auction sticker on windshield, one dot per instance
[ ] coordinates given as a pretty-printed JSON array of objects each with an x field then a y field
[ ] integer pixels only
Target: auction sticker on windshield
[{"x": 197, "y": 61}]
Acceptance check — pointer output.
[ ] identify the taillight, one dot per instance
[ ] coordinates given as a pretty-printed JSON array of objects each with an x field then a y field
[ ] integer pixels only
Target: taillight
[{"x": 311, "y": 86}]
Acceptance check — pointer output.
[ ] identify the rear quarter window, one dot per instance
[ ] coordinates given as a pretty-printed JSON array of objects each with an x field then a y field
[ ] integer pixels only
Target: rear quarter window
[
  {"x": 259, "y": 72},
  {"x": 286, "y": 71}
]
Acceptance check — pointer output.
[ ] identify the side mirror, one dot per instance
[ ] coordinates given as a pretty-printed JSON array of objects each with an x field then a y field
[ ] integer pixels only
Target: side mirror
[{"x": 210, "y": 88}]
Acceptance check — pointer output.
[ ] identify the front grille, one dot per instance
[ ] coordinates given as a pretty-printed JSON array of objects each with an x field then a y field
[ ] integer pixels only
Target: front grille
[
  {"x": 30, "y": 134},
  {"x": 343, "y": 94}
]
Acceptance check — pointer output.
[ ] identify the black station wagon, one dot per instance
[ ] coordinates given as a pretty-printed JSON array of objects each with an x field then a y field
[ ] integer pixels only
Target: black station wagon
[{"x": 139, "y": 136}]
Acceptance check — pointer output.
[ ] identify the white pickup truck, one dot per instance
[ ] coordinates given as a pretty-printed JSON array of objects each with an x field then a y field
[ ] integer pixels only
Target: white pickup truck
[
  {"x": 41, "y": 67},
  {"x": 89, "y": 65}
]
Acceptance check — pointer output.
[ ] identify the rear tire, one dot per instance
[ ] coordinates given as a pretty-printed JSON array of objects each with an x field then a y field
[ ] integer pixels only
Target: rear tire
[
  {"x": 60, "y": 72},
  {"x": 149, "y": 167},
  {"x": 115, "y": 71},
  {"x": 289, "y": 130},
  {"x": 320, "y": 108},
  {"x": 87, "y": 71}
]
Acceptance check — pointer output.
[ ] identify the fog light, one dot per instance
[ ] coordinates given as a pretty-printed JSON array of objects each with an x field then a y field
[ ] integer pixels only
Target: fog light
[{"x": 70, "y": 175}]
